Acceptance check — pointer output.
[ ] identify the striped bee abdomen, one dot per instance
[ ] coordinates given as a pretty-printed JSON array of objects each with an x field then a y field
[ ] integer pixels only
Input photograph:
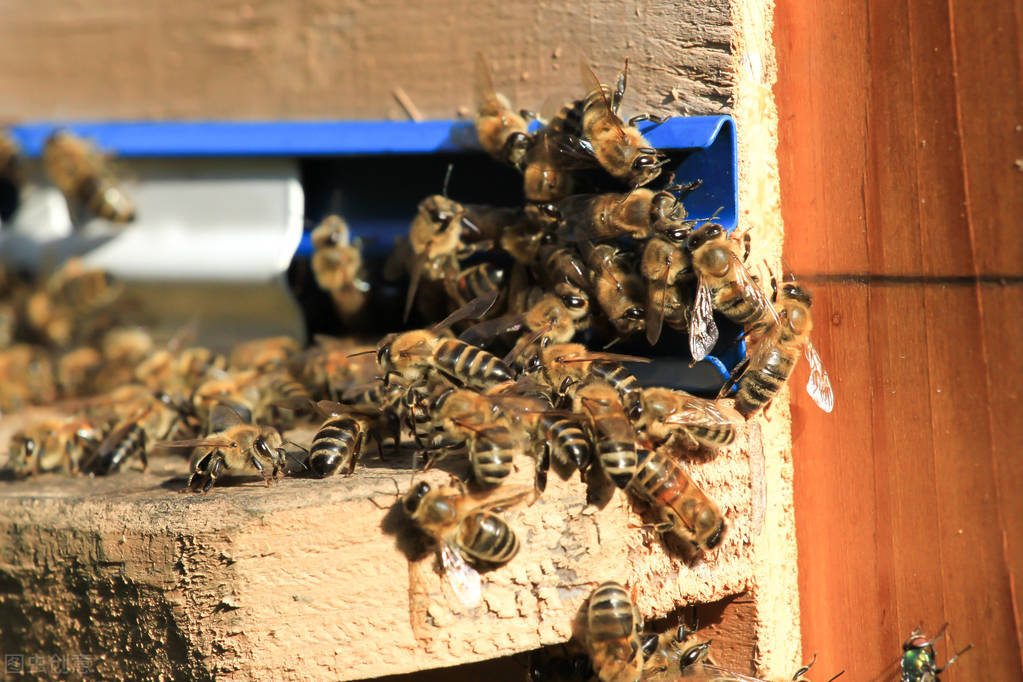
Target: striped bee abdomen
[{"x": 486, "y": 538}]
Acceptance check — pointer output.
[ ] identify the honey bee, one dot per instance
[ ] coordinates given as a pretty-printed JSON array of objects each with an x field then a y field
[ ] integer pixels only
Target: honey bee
[
  {"x": 568, "y": 278},
  {"x": 337, "y": 266},
  {"x": 618, "y": 146},
  {"x": 263, "y": 354},
  {"x": 479, "y": 280},
  {"x": 234, "y": 447},
  {"x": 612, "y": 636},
  {"x": 613, "y": 434},
  {"x": 724, "y": 285},
  {"x": 684, "y": 509},
  {"x": 550, "y": 158},
  {"x": 85, "y": 178},
  {"x": 561, "y": 366},
  {"x": 466, "y": 530},
  {"x": 777, "y": 349},
  {"x": 639, "y": 214},
  {"x": 52, "y": 445},
  {"x": 919, "y": 662},
  {"x": 670, "y": 655},
  {"x": 418, "y": 355},
  {"x": 26, "y": 377},
  {"x": 76, "y": 370},
  {"x": 233, "y": 391},
  {"x": 468, "y": 418},
  {"x": 503, "y": 133},
  {"x": 438, "y": 240},
  {"x": 546, "y": 321},
  {"x": 339, "y": 440},
  {"x": 332, "y": 366},
  {"x": 185, "y": 368},
  {"x": 149, "y": 421},
  {"x": 559, "y": 434},
  {"x": 82, "y": 288},
  {"x": 618, "y": 290},
  {"x": 664, "y": 264},
  {"x": 669, "y": 414},
  {"x": 574, "y": 667}
]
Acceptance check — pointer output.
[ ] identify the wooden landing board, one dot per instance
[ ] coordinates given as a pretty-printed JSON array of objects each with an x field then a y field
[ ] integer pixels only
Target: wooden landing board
[
  {"x": 901, "y": 147},
  {"x": 323, "y": 578}
]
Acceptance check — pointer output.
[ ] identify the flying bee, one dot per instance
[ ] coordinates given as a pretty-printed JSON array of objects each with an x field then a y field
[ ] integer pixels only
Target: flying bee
[
  {"x": 85, "y": 178},
  {"x": 149, "y": 421},
  {"x": 337, "y": 267},
  {"x": 262, "y": 354},
  {"x": 618, "y": 289},
  {"x": 614, "y": 437},
  {"x": 466, "y": 530},
  {"x": 684, "y": 509},
  {"x": 664, "y": 264},
  {"x": 503, "y": 132},
  {"x": 618, "y": 146},
  {"x": 52, "y": 445},
  {"x": 421, "y": 354},
  {"x": 234, "y": 448},
  {"x": 612, "y": 636},
  {"x": 777, "y": 349},
  {"x": 724, "y": 285},
  {"x": 671, "y": 655},
  {"x": 561, "y": 366},
  {"x": 919, "y": 661},
  {"x": 669, "y": 414}
]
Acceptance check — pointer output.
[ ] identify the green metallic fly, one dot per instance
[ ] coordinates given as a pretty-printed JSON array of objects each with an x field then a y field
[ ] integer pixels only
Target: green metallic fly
[{"x": 919, "y": 662}]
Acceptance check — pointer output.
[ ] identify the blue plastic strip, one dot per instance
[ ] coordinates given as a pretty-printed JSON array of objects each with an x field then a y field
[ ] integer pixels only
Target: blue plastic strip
[{"x": 710, "y": 138}]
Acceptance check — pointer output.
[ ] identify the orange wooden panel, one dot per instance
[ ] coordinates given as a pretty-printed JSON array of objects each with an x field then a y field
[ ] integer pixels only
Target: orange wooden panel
[{"x": 897, "y": 147}]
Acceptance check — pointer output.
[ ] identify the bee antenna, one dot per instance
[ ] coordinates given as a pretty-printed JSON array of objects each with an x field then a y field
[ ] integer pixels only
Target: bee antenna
[
  {"x": 837, "y": 676},
  {"x": 447, "y": 180},
  {"x": 793, "y": 278}
]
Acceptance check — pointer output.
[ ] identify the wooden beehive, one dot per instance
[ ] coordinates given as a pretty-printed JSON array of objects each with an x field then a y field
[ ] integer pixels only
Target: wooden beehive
[{"x": 314, "y": 578}]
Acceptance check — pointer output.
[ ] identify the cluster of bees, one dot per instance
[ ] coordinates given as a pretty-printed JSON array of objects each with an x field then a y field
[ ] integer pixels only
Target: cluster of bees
[{"x": 593, "y": 253}]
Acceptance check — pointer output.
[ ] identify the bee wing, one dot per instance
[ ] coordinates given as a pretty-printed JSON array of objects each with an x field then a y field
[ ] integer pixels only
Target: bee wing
[
  {"x": 703, "y": 331},
  {"x": 601, "y": 357},
  {"x": 752, "y": 290},
  {"x": 591, "y": 83},
  {"x": 484, "y": 332},
  {"x": 655, "y": 307},
  {"x": 473, "y": 310},
  {"x": 526, "y": 342},
  {"x": 463, "y": 578},
  {"x": 483, "y": 81},
  {"x": 819, "y": 385},
  {"x": 196, "y": 443},
  {"x": 330, "y": 408},
  {"x": 223, "y": 417},
  {"x": 710, "y": 416},
  {"x": 415, "y": 274}
]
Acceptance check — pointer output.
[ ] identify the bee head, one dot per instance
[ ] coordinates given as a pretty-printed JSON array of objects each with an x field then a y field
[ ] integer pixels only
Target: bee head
[
  {"x": 715, "y": 538},
  {"x": 797, "y": 293},
  {"x": 415, "y": 497}
]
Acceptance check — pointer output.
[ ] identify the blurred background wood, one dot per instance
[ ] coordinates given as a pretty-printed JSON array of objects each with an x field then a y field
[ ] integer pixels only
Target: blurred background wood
[{"x": 901, "y": 155}]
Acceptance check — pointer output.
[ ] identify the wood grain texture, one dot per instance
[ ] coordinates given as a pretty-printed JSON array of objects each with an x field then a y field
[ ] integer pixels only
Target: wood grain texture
[
  {"x": 323, "y": 578},
  {"x": 343, "y": 58},
  {"x": 900, "y": 130}
]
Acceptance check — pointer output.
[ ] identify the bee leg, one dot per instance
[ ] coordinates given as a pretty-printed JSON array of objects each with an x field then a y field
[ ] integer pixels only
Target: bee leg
[
  {"x": 259, "y": 467},
  {"x": 542, "y": 465},
  {"x": 143, "y": 446},
  {"x": 653, "y": 118},
  {"x": 213, "y": 472},
  {"x": 356, "y": 451}
]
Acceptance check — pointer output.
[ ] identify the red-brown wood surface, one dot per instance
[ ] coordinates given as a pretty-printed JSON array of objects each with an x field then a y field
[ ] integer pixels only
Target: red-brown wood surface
[{"x": 901, "y": 146}]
